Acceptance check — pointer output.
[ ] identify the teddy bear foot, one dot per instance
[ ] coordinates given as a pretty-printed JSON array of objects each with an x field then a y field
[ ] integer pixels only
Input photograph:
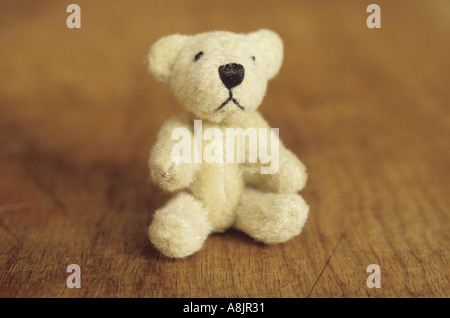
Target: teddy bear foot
[
  {"x": 271, "y": 217},
  {"x": 180, "y": 228}
]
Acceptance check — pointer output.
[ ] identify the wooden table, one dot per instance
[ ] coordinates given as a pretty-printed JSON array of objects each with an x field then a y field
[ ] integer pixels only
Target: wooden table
[{"x": 366, "y": 110}]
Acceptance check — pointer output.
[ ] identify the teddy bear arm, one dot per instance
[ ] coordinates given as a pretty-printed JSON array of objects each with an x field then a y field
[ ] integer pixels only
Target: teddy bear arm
[
  {"x": 171, "y": 175},
  {"x": 290, "y": 176}
]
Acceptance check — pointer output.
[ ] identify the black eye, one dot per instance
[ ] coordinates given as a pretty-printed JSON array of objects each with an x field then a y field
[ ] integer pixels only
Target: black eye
[
  {"x": 198, "y": 55},
  {"x": 253, "y": 58}
]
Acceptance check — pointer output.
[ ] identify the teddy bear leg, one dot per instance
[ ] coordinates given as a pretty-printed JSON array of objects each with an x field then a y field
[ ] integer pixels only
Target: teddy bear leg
[
  {"x": 271, "y": 217},
  {"x": 180, "y": 228}
]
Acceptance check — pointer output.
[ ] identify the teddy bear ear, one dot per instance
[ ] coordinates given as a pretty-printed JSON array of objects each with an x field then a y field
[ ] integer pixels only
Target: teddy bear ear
[
  {"x": 163, "y": 54},
  {"x": 271, "y": 47}
]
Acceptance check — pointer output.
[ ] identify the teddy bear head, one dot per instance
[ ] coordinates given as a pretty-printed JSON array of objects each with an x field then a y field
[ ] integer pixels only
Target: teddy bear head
[{"x": 218, "y": 76}]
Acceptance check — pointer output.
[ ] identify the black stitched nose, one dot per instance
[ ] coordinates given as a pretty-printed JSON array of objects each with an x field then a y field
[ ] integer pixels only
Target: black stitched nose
[{"x": 231, "y": 75}]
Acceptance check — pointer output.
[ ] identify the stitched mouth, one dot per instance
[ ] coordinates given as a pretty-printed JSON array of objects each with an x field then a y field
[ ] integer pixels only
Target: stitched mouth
[{"x": 229, "y": 99}]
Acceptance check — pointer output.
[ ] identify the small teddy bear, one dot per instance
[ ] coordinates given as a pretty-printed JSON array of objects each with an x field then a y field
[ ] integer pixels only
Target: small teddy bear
[{"x": 221, "y": 78}]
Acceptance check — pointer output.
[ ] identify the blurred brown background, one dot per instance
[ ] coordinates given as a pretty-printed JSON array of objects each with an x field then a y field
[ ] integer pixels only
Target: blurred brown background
[{"x": 367, "y": 111}]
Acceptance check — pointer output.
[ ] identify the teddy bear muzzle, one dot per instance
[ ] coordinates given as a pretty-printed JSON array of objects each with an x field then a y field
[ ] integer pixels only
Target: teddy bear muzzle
[{"x": 231, "y": 75}]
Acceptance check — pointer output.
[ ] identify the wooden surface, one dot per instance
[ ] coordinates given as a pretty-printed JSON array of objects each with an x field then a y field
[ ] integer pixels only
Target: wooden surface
[{"x": 367, "y": 111}]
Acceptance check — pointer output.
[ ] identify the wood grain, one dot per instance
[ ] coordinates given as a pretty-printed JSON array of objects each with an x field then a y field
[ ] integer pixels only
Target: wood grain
[{"x": 366, "y": 110}]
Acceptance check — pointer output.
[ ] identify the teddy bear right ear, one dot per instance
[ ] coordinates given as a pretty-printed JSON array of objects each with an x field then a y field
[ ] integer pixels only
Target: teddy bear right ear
[{"x": 162, "y": 56}]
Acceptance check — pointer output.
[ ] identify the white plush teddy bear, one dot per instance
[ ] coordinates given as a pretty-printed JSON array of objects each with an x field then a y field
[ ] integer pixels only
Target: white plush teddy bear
[{"x": 221, "y": 78}]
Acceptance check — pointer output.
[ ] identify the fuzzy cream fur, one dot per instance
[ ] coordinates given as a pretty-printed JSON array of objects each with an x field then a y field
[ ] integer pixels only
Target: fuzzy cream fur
[{"x": 214, "y": 197}]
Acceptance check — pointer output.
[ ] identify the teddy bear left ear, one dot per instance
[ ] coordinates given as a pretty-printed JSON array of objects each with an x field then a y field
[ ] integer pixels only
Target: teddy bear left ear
[
  {"x": 163, "y": 55},
  {"x": 271, "y": 47}
]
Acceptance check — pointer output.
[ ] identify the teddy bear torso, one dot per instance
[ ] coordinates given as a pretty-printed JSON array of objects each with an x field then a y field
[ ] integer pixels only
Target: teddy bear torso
[{"x": 218, "y": 185}]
